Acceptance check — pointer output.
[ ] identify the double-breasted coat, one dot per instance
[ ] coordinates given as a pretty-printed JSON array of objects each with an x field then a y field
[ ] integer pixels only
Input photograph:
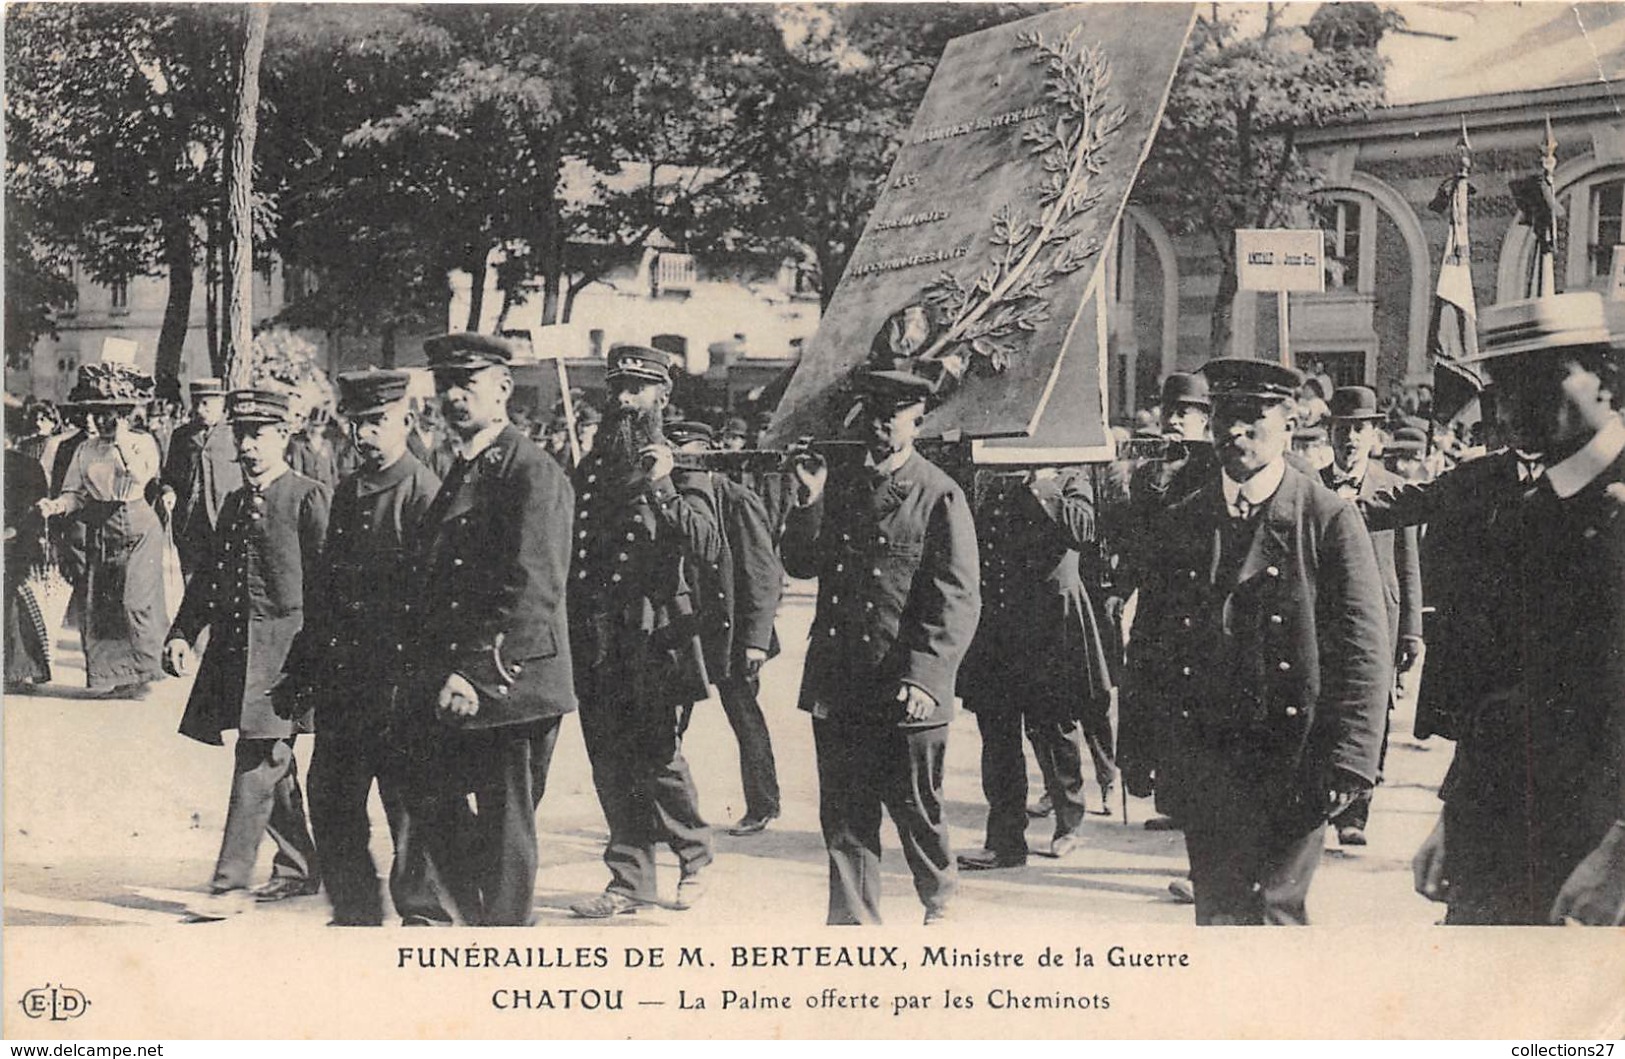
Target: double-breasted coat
[
  {"x": 494, "y": 558},
  {"x": 360, "y": 624},
  {"x": 1280, "y": 672},
  {"x": 251, "y": 594},
  {"x": 899, "y": 590},
  {"x": 1041, "y": 644}
]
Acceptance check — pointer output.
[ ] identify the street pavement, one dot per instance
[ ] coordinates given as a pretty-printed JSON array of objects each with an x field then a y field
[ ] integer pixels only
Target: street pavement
[{"x": 112, "y": 817}]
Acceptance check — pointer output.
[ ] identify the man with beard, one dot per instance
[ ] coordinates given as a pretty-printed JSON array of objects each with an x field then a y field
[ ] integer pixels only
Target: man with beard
[
  {"x": 643, "y": 533},
  {"x": 1353, "y": 474},
  {"x": 1533, "y": 825},
  {"x": 200, "y": 471},
  {"x": 1264, "y": 656},
  {"x": 251, "y": 597},
  {"x": 893, "y": 546},
  {"x": 494, "y": 661},
  {"x": 352, "y": 658}
]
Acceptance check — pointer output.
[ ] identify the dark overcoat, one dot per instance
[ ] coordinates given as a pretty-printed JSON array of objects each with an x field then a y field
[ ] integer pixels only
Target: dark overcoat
[
  {"x": 1282, "y": 674},
  {"x": 360, "y": 620},
  {"x": 202, "y": 469},
  {"x": 740, "y": 590},
  {"x": 1041, "y": 646},
  {"x": 1399, "y": 560},
  {"x": 899, "y": 590},
  {"x": 251, "y": 596},
  {"x": 640, "y": 549},
  {"x": 494, "y": 556}
]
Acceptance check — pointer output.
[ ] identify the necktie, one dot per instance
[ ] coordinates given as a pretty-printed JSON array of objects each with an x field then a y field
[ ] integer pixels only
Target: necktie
[
  {"x": 1244, "y": 508},
  {"x": 1530, "y": 470}
]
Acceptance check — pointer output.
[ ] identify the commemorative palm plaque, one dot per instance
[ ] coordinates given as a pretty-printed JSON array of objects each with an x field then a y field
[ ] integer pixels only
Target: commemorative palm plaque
[{"x": 986, "y": 248}]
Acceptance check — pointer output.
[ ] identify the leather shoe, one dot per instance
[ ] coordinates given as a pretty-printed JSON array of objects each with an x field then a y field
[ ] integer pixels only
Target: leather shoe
[
  {"x": 220, "y": 904},
  {"x": 605, "y": 905},
  {"x": 1162, "y": 823},
  {"x": 987, "y": 860},
  {"x": 1061, "y": 845},
  {"x": 1183, "y": 891},
  {"x": 752, "y": 825},
  {"x": 1041, "y": 808},
  {"x": 690, "y": 888},
  {"x": 1350, "y": 836},
  {"x": 936, "y": 915},
  {"x": 282, "y": 889}
]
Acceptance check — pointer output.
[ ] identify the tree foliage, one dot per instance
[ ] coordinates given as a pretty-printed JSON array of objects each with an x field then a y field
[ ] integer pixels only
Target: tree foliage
[{"x": 1226, "y": 154}]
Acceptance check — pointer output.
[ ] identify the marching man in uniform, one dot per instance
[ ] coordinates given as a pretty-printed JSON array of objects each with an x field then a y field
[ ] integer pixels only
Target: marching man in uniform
[
  {"x": 492, "y": 644},
  {"x": 893, "y": 546},
  {"x": 267, "y": 551},
  {"x": 643, "y": 533},
  {"x": 351, "y": 658},
  {"x": 1266, "y": 656}
]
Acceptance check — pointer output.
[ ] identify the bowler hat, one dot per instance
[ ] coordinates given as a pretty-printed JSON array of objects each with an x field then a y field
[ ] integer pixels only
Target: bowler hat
[
  {"x": 1557, "y": 321},
  {"x": 206, "y": 387},
  {"x": 373, "y": 390},
  {"x": 466, "y": 351},
  {"x": 1246, "y": 377},
  {"x": 638, "y": 362},
  {"x": 1182, "y": 388},
  {"x": 258, "y": 406},
  {"x": 1354, "y": 402},
  {"x": 687, "y": 430},
  {"x": 1407, "y": 441}
]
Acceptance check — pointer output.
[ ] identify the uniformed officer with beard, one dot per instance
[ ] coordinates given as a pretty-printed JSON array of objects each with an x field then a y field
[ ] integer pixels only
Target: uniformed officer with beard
[
  {"x": 643, "y": 531},
  {"x": 893, "y": 546}
]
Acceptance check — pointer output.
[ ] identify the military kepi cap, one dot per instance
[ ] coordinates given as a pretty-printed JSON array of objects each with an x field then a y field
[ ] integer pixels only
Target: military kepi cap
[
  {"x": 897, "y": 389},
  {"x": 258, "y": 406},
  {"x": 1245, "y": 377},
  {"x": 466, "y": 351},
  {"x": 363, "y": 392},
  {"x": 638, "y": 362},
  {"x": 687, "y": 430},
  {"x": 1354, "y": 402},
  {"x": 207, "y": 387}
]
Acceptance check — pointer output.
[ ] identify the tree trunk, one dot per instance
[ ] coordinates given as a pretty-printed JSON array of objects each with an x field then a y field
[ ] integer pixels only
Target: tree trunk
[
  {"x": 476, "y": 286},
  {"x": 551, "y": 281},
  {"x": 211, "y": 293},
  {"x": 386, "y": 351},
  {"x": 240, "y": 200},
  {"x": 178, "y": 309}
]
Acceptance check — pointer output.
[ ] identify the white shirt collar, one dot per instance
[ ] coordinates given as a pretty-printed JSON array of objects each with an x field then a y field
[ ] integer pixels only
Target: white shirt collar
[
  {"x": 477, "y": 444},
  {"x": 891, "y": 464},
  {"x": 1258, "y": 489},
  {"x": 1597, "y": 455}
]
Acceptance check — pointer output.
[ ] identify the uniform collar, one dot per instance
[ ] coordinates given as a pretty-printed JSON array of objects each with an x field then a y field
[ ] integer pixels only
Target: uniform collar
[
  {"x": 372, "y": 481},
  {"x": 1258, "y": 489},
  {"x": 1597, "y": 455},
  {"x": 260, "y": 485},
  {"x": 891, "y": 464}
]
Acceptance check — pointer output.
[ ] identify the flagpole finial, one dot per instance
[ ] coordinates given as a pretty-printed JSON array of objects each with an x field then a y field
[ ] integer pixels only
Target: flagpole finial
[
  {"x": 1464, "y": 151},
  {"x": 1549, "y": 149}
]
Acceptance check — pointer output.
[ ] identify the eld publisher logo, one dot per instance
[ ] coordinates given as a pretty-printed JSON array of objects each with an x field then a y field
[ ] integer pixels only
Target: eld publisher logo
[{"x": 55, "y": 1002}]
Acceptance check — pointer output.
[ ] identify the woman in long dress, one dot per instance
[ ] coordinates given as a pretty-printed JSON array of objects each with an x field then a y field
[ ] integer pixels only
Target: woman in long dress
[{"x": 109, "y": 488}]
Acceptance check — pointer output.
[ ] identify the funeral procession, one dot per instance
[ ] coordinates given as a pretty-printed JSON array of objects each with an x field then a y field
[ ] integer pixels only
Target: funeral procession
[{"x": 711, "y": 465}]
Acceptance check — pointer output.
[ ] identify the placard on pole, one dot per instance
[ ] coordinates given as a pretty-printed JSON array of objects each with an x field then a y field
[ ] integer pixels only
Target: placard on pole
[{"x": 1281, "y": 260}]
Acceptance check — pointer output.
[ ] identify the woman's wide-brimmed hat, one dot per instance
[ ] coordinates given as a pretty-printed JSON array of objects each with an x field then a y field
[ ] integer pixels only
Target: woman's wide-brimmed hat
[{"x": 113, "y": 385}]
